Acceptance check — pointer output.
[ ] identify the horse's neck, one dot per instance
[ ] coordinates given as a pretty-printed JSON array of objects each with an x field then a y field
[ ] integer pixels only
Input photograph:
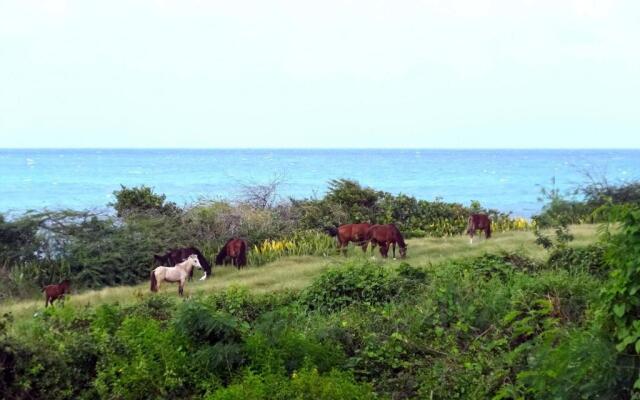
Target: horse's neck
[{"x": 185, "y": 266}]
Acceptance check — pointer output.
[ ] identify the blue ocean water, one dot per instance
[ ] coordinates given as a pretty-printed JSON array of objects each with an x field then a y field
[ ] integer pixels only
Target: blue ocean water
[{"x": 508, "y": 180}]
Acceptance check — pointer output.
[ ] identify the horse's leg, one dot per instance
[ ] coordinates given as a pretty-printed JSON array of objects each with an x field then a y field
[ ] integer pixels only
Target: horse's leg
[
  {"x": 46, "y": 301},
  {"x": 471, "y": 237},
  {"x": 181, "y": 287},
  {"x": 384, "y": 249},
  {"x": 364, "y": 245},
  {"x": 393, "y": 245}
]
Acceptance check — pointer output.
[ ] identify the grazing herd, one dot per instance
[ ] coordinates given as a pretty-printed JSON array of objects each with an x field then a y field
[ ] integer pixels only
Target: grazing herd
[{"x": 177, "y": 265}]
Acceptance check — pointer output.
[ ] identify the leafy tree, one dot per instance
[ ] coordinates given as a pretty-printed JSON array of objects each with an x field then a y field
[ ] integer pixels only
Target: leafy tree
[
  {"x": 622, "y": 294},
  {"x": 18, "y": 240},
  {"x": 142, "y": 200}
]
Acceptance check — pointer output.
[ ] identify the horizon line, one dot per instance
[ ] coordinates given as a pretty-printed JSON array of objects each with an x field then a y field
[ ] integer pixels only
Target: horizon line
[{"x": 322, "y": 148}]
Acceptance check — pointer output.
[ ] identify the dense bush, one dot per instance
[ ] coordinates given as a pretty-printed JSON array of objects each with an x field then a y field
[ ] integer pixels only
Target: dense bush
[
  {"x": 498, "y": 325},
  {"x": 586, "y": 259},
  {"x": 355, "y": 282}
]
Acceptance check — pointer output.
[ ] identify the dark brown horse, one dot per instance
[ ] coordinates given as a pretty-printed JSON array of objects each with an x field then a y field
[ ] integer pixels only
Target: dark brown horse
[
  {"x": 479, "y": 221},
  {"x": 236, "y": 249},
  {"x": 356, "y": 233},
  {"x": 385, "y": 236},
  {"x": 55, "y": 292},
  {"x": 177, "y": 256}
]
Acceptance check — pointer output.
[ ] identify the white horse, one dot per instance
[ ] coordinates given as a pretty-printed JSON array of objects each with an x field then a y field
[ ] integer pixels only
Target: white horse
[{"x": 179, "y": 273}]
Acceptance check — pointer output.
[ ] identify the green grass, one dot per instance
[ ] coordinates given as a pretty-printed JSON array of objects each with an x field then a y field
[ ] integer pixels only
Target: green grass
[{"x": 297, "y": 272}]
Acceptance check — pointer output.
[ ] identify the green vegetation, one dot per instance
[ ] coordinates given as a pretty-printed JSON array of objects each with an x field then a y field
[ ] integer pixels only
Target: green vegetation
[
  {"x": 545, "y": 314},
  {"x": 491, "y": 320},
  {"x": 96, "y": 250}
]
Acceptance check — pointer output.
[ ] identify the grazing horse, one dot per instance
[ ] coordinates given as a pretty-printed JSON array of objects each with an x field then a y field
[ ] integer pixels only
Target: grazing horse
[
  {"x": 236, "y": 249},
  {"x": 386, "y": 235},
  {"x": 179, "y": 273},
  {"x": 55, "y": 292},
  {"x": 479, "y": 221},
  {"x": 176, "y": 256},
  {"x": 356, "y": 233}
]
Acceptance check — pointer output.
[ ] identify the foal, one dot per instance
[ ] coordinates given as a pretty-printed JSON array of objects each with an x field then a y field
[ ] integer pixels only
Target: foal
[{"x": 55, "y": 292}]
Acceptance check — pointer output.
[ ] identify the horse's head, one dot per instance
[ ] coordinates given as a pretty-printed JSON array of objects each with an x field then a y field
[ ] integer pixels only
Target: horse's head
[
  {"x": 195, "y": 261},
  {"x": 403, "y": 251},
  {"x": 331, "y": 230}
]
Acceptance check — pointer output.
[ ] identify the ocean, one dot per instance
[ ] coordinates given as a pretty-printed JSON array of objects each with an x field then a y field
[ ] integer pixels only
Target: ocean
[{"x": 508, "y": 180}]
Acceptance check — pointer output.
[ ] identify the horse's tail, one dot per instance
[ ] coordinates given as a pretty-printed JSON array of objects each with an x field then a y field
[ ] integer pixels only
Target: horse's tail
[
  {"x": 242, "y": 257},
  {"x": 222, "y": 254},
  {"x": 154, "y": 281},
  {"x": 488, "y": 231},
  {"x": 331, "y": 231}
]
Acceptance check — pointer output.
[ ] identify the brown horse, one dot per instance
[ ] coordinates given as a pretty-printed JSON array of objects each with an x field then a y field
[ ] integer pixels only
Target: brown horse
[
  {"x": 479, "y": 221},
  {"x": 55, "y": 292},
  {"x": 175, "y": 256},
  {"x": 356, "y": 233},
  {"x": 385, "y": 236},
  {"x": 236, "y": 249}
]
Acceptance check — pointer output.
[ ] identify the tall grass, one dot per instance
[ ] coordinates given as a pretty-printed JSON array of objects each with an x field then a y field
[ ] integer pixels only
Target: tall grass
[{"x": 303, "y": 243}]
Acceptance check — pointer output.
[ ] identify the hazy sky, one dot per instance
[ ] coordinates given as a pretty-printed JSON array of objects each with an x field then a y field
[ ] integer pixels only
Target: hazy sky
[{"x": 431, "y": 74}]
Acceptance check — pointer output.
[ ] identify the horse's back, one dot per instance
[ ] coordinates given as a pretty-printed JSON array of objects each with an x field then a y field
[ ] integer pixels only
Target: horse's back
[
  {"x": 354, "y": 231},
  {"x": 479, "y": 220},
  {"x": 384, "y": 233}
]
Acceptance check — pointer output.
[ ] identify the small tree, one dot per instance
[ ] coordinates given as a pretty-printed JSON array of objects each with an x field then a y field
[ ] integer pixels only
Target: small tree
[{"x": 142, "y": 200}]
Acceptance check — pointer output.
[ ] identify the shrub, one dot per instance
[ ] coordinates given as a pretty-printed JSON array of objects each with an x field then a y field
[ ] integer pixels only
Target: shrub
[
  {"x": 247, "y": 307},
  {"x": 354, "y": 282},
  {"x": 306, "y": 384},
  {"x": 590, "y": 259},
  {"x": 201, "y": 325},
  {"x": 278, "y": 344},
  {"x": 572, "y": 364},
  {"x": 142, "y": 360},
  {"x": 621, "y": 304}
]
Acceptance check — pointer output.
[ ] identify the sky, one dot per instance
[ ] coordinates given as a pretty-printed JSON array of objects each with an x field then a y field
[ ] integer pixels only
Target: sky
[{"x": 320, "y": 74}]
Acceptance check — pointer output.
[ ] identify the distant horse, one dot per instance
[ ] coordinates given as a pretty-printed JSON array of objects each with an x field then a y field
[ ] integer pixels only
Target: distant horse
[
  {"x": 356, "y": 233},
  {"x": 385, "y": 236},
  {"x": 55, "y": 292},
  {"x": 236, "y": 249},
  {"x": 176, "y": 256},
  {"x": 179, "y": 273},
  {"x": 479, "y": 221}
]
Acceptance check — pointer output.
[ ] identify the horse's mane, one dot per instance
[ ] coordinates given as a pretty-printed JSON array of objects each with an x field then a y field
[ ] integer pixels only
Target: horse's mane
[{"x": 202, "y": 259}]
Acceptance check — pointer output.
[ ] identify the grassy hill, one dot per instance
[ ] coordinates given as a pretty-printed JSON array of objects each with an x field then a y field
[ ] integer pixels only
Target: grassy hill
[{"x": 297, "y": 272}]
